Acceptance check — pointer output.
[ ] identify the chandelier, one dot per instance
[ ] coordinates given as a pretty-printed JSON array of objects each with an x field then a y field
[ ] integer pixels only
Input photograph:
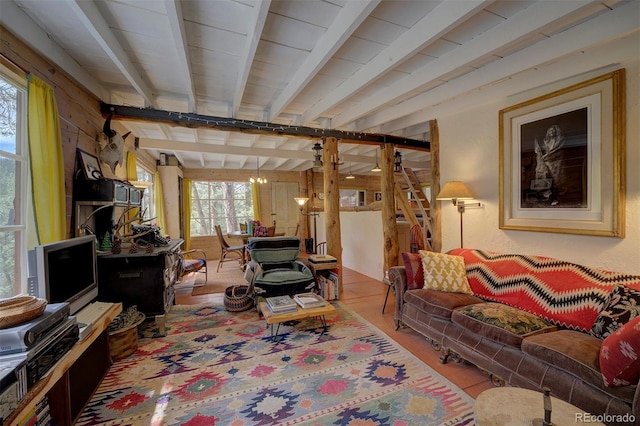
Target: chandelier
[{"x": 258, "y": 179}]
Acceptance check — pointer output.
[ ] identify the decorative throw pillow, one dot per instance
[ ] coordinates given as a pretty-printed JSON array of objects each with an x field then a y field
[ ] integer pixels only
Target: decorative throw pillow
[
  {"x": 444, "y": 272},
  {"x": 620, "y": 355},
  {"x": 413, "y": 269},
  {"x": 623, "y": 305}
]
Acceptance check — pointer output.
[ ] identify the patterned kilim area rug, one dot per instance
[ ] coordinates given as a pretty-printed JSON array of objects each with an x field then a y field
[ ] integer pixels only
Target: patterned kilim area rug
[{"x": 220, "y": 368}]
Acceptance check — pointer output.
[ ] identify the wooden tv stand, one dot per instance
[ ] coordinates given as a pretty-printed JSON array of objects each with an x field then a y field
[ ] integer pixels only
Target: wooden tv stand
[{"x": 70, "y": 384}]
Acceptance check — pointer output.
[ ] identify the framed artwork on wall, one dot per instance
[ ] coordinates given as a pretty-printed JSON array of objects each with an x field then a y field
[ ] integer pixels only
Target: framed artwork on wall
[
  {"x": 562, "y": 160},
  {"x": 90, "y": 165}
]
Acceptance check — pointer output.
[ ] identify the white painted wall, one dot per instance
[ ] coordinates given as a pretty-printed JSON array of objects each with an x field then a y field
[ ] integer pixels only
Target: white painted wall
[
  {"x": 469, "y": 153},
  {"x": 362, "y": 242}
]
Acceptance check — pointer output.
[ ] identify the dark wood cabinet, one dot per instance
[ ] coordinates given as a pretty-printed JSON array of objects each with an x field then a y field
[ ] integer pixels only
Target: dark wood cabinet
[
  {"x": 71, "y": 383},
  {"x": 143, "y": 279}
]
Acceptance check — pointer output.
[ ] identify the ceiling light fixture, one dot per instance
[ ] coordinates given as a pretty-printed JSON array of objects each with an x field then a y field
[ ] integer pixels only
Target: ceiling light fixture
[
  {"x": 397, "y": 161},
  {"x": 377, "y": 167},
  {"x": 317, "y": 154},
  {"x": 350, "y": 175},
  {"x": 257, "y": 179}
]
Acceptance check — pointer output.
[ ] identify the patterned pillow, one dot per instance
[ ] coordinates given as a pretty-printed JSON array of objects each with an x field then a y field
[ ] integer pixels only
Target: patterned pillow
[
  {"x": 623, "y": 305},
  {"x": 444, "y": 272},
  {"x": 413, "y": 269},
  {"x": 620, "y": 355}
]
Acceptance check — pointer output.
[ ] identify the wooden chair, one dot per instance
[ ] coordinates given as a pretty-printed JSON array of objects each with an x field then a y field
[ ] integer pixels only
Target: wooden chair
[
  {"x": 226, "y": 249},
  {"x": 271, "y": 231},
  {"x": 194, "y": 260}
]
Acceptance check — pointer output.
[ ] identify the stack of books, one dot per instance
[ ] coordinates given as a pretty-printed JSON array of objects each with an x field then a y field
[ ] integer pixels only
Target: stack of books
[
  {"x": 309, "y": 300},
  {"x": 281, "y": 304},
  {"x": 329, "y": 285},
  {"x": 322, "y": 258}
]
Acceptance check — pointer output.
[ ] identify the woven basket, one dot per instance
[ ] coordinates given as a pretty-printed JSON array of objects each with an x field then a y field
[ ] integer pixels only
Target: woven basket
[
  {"x": 237, "y": 298},
  {"x": 124, "y": 342},
  {"x": 18, "y": 309}
]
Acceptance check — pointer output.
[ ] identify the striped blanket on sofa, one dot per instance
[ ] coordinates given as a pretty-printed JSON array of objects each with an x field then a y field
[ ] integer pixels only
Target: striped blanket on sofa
[{"x": 566, "y": 294}]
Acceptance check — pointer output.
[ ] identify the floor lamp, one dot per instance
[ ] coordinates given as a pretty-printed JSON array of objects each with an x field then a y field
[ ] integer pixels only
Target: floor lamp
[
  {"x": 301, "y": 202},
  {"x": 457, "y": 192}
]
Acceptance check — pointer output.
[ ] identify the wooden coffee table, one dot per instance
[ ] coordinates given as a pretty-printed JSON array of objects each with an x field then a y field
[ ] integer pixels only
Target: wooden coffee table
[
  {"x": 300, "y": 313},
  {"x": 516, "y": 406}
]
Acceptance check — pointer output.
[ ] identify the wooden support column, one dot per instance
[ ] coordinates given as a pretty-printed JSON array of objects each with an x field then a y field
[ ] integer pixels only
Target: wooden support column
[
  {"x": 389, "y": 224},
  {"x": 436, "y": 213},
  {"x": 332, "y": 202}
]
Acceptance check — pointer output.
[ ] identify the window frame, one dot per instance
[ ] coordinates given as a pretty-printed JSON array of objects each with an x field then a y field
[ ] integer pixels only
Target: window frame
[
  {"x": 214, "y": 220},
  {"x": 148, "y": 186},
  {"x": 21, "y": 228}
]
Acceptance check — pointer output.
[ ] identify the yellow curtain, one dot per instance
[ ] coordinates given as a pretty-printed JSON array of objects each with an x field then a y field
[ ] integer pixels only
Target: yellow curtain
[
  {"x": 47, "y": 162},
  {"x": 132, "y": 172},
  {"x": 186, "y": 208},
  {"x": 255, "y": 198},
  {"x": 161, "y": 218},
  {"x": 132, "y": 175}
]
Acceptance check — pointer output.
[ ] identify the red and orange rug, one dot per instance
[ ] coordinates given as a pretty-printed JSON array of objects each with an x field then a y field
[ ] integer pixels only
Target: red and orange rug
[{"x": 220, "y": 368}]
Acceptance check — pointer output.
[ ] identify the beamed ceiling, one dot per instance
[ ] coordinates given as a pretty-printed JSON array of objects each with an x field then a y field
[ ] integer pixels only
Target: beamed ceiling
[{"x": 382, "y": 67}]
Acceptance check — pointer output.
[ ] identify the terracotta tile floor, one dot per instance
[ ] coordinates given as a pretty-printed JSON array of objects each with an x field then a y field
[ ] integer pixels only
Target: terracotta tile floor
[{"x": 365, "y": 296}]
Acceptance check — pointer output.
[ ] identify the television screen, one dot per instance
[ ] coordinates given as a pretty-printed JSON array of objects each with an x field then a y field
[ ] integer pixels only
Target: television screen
[{"x": 67, "y": 272}]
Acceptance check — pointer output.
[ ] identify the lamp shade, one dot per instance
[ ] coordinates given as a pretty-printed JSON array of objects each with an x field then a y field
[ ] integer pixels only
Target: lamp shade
[
  {"x": 454, "y": 190},
  {"x": 301, "y": 200}
]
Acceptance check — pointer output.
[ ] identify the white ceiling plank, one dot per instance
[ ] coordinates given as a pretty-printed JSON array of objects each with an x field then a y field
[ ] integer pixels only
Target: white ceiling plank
[
  {"x": 444, "y": 17},
  {"x": 529, "y": 22},
  {"x": 176, "y": 23},
  {"x": 554, "y": 72},
  {"x": 94, "y": 22},
  {"x": 261, "y": 10},
  {"x": 14, "y": 19},
  {"x": 609, "y": 26},
  {"x": 350, "y": 17}
]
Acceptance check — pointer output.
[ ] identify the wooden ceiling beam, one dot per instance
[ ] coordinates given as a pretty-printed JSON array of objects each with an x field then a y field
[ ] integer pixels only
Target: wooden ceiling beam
[{"x": 191, "y": 120}]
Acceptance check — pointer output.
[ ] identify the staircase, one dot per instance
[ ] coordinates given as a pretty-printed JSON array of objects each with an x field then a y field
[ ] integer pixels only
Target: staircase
[{"x": 407, "y": 181}]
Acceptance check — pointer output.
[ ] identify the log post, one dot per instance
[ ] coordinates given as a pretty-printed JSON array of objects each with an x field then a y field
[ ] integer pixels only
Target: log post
[
  {"x": 436, "y": 213},
  {"x": 389, "y": 224},
  {"x": 332, "y": 202}
]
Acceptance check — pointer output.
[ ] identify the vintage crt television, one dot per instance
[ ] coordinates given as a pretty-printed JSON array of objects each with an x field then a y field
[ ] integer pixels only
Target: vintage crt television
[{"x": 65, "y": 271}]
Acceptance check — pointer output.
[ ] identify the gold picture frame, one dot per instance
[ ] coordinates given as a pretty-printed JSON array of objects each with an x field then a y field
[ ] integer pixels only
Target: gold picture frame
[{"x": 562, "y": 160}]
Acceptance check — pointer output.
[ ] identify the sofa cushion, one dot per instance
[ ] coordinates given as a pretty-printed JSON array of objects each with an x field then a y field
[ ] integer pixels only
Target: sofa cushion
[
  {"x": 413, "y": 269},
  {"x": 444, "y": 272},
  {"x": 438, "y": 303},
  {"x": 576, "y": 353},
  {"x": 622, "y": 306},
  {"x": 567, "y": 294},
  {"x": 620, "y": 355},
  {"x": 500, "y": 323}
]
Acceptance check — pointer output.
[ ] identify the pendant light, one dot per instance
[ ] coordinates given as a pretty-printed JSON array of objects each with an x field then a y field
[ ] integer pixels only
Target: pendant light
[
  {"x": 257, "y": 178},
  {"x": 377, "y": 167},
  {"x": 350, "y": 175}
]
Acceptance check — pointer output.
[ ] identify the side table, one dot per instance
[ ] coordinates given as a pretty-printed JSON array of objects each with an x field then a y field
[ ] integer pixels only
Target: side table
[
  {"x": 516, "y": 406},
  {"x": 300, "y": 313}
]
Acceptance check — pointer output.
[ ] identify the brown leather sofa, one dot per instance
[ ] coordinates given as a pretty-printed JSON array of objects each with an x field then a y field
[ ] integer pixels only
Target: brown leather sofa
[{"x": 563, "y": 357}]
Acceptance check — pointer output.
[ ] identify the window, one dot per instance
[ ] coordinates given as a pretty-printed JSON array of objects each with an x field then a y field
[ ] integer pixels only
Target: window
[
  {"x": 352, "y": 197},
  {"x": 13, "y": 183},
  {"x": 145, "y": 180},
  {"x": 220, "y": 203}
]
